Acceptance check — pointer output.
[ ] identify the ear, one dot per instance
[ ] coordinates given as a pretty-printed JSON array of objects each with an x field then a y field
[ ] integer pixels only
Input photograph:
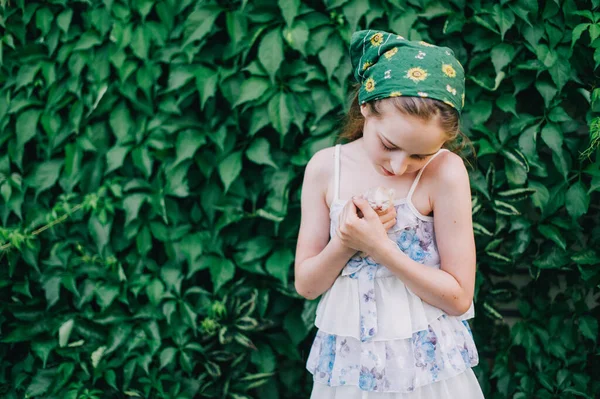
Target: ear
[{"x": 364, "y": 110}]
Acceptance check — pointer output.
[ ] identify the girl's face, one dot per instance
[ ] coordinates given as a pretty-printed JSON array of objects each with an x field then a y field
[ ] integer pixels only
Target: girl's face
[{"x": 396, "y": 143}]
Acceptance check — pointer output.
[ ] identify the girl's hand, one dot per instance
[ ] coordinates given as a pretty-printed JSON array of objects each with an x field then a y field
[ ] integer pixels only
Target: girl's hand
[
  {"x": 387, "y": 217},
  {"x": 366, "y": 234}
]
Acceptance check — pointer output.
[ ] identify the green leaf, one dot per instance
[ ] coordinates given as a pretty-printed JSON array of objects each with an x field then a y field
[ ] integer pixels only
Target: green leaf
[
  {"x": 577, "y": 200},
  {"x": 289, "y": 9},
  {"x": 132, "y": 204},
  {"x": 588, "y": 257},
  {"x": 64, "y": 19},
  {"x": 97, "y": 356},
  {"x": 354, "y": 11},
  {"x": 121, "y": 123},
  {"x": 278, "y": 264},
  {"x": 230, "y": 168},
  {"x": 44, "y": 175},
  {"x": 42, "y": 349},
  {"x": 547, "y": 90},
  {"x": 115, "y": 158},
  {"x": 26, "y": 126},
  {"x": 588, "y": 326},
  {"x": 167, "y": 356},
  {"x": 502, "y": 55},
  {"x": 560, "y": 73},
  {"x": 553, "y": 137},
  {"x": 199, "y": 23},
  {"x": 504, "y": 208},
  {"x": 331, "y": 55},
  {"x": 88, "y": 40},
  {"x": 40, "y": 383},
  {"x": 221, "y": 271},
  {"x": 259, "y": 152},
  {"x": 297, "y": 36},
  {"x": 64, "y": 332},
  {"x": 188, "y": 143},
  {"x": 206, "y": 83},
  {"x": 554, "y": 234},
  {"x": 155, "y": 291},
  {"x": 270, "y": 52},
  {"x": 280, "y": 113},
  {"x": 252, "y": 88},
  {"x": 140, "y": 42}
]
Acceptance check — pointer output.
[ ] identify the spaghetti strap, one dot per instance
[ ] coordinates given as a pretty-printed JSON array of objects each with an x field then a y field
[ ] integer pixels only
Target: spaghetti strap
[
  {"x": 414, "y": 185},
  {"x": 336, "y": 188}
]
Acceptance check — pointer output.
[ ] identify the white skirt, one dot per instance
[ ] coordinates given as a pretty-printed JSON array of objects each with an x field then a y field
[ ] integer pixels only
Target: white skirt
[{"x": 463, "y": 386}]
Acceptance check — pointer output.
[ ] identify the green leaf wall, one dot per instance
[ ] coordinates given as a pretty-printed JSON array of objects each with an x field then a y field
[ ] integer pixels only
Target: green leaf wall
[{"x": 151, "y": 161}]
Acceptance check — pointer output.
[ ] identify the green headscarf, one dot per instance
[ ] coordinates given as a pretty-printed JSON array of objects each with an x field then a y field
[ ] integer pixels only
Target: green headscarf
[{"x": 388, "y": 65}]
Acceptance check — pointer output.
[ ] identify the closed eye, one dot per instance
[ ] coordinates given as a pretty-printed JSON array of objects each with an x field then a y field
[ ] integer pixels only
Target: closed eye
[{"x": 414, "y": 156}]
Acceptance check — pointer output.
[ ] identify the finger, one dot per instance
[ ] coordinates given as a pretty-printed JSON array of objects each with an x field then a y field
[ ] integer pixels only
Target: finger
[
  {"x": 364, "y": 206},
  {"x": 388, "y": 225}
]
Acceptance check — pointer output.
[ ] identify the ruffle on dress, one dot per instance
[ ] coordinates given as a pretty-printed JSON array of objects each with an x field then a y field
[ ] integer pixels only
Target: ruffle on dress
[
  {"x": 400, "y": 312},
  {"x": 463, "y": 386},
  {"x": 442, "y": 350}
]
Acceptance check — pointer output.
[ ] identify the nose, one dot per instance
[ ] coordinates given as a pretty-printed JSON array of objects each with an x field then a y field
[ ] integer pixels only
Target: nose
[{"x": 399, "y": 164}]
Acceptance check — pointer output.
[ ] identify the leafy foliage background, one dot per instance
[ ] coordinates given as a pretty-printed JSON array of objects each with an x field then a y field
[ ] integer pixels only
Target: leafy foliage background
[{"x": 151, "y": 161}]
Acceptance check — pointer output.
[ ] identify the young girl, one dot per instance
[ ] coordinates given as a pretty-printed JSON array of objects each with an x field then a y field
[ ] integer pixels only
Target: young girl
[{"x": 392, "y": 323}]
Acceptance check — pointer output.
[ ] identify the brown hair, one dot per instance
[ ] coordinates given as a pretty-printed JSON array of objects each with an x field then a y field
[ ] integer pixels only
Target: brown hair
[{"x": 420, "y": 107}]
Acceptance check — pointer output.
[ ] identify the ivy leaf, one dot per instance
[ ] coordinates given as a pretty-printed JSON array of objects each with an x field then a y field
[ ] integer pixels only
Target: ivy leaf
[
  {"x": 270, "y": 52},
  {"x": 502, "y": 54},
  {"x": 230, "y": 168},
  {"x": 44, "y": 175},
  {"x": 64, "y": 332},
  {"x": 289, "y": 9},
  {"x": 577, "y": 200},
  {"x": 297, "y": 36},
  {"x": 331, "y": 55},
  {"x": 199, "y": 23},
  {"x": 252, "y": 88},
  {"x": 259, "y": 152},
  {"x": 221, "y": 271},
  {"x": 280, "y": 113},
  {"x": 26, "y": 126},
  {"x": 64, "y": 19},
  {"x": 206, "y": 83},
  {"x": 121, "y": 123},
  {"x": 167, "y": 356},
  {"x": 588, "y": 326},
  {"x": 278, "y": 264}
]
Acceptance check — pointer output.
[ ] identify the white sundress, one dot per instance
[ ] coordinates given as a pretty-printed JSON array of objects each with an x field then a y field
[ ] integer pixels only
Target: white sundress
[{"x": 376, "y": 339}]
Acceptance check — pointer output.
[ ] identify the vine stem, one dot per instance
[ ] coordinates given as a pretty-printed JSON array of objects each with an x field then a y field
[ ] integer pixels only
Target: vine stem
[{"x": 46, "y": 227}]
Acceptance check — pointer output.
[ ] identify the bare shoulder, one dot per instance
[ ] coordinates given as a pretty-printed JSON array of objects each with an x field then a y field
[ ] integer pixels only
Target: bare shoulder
[
  {"x": 447, "y": 171},
  {"x": 319, "y": 171}
]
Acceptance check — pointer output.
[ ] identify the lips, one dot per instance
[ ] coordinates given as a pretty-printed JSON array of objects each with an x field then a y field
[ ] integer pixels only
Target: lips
[{"x": 387, "y": 172}]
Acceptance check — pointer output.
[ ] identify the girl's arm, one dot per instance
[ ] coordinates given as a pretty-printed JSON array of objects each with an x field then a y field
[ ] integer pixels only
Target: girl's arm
[
  {"x": 450, "y": 288},
  {"x": 319, "y": 260}
]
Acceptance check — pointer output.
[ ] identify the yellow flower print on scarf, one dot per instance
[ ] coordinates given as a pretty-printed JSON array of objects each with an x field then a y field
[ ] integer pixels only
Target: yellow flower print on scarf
[
  {"x": 377, "y": 39},
  {"x": 449, "y": 70},
  {"x": 395, "y": 94},
  {"x": 370, "y": 85},
  {"x": 416, "y": 74},
  {"x": 390, "y": 53},
  {"x": 426, "y": 44},
  {"x": 367, "y": 64}
]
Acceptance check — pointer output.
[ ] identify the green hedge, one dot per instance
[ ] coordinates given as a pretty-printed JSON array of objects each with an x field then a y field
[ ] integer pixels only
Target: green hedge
[{"x": 151, "y": 161}]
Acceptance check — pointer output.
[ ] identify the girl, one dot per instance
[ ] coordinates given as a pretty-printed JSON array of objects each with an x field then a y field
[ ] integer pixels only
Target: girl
[{"x": 393, "y": 324}]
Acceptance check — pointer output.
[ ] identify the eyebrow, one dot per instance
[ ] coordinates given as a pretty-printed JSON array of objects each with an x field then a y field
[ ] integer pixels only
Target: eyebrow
[{"x": 394, "y": 145}]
